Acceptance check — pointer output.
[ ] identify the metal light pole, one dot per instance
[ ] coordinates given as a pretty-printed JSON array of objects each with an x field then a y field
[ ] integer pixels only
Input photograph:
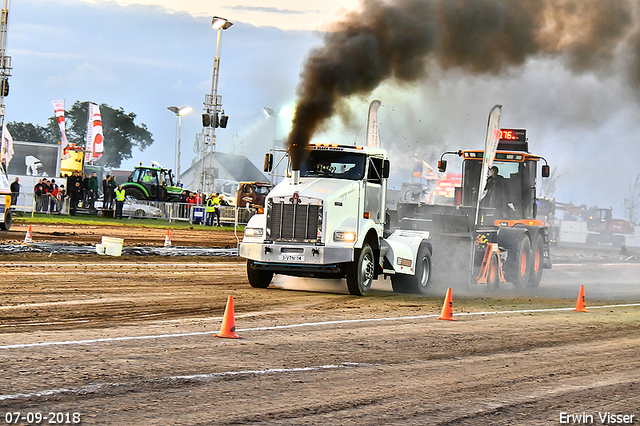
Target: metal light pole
[
  {"x": 179, "y": 112},
  {"x": 212, "y": 106}
]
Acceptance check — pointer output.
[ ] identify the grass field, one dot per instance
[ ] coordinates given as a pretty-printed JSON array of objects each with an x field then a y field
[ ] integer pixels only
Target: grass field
[{"x": 88, "y": 220}]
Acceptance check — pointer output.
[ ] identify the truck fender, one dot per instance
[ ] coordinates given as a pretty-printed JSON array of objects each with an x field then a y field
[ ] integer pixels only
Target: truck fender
[
  {"x": 396, "y": 249},
  {"x": 508, "y": 237},
  {"x": 365, "y": 235},
  {"x": 257, "y": 221}
]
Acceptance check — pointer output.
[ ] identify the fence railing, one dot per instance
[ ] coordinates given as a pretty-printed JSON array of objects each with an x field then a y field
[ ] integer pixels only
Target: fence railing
[{"x": 31, "y": 203}]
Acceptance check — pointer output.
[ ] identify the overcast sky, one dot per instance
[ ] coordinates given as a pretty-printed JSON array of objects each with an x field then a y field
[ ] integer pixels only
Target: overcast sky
[{"x": 147, "y": 55}]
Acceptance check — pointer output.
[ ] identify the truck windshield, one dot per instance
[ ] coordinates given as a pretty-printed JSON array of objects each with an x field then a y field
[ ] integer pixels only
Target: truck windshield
[{"x": 334, "y": 164}]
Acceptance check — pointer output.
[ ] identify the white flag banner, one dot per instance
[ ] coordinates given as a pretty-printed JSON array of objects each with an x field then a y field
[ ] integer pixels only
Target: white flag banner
[
  {"x": 490, "y": 148},
  {"x": 6, "y": 153},
  {"x": 58, "y": 107},
  {"x": 95, "y": 139}
]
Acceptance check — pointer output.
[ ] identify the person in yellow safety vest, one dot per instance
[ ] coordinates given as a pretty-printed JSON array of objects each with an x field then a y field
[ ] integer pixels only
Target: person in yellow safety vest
[
  {"x": 120, "y": 193},
  {"x": 209, "y": 211},
  {"x": 216, "y": 205}
]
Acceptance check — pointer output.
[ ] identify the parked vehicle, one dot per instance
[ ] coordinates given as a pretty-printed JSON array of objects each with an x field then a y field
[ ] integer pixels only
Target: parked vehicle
[{"x": 133, "y": 208}]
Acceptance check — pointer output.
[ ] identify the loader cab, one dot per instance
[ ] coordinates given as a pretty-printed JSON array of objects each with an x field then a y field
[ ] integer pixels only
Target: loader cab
[
  {"x": 511, "y": 192},
  {"x": 156, "y": 181}
]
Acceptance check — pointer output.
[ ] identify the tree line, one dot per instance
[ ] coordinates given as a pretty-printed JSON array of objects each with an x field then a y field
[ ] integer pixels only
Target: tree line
[{"x": 120, "y": 132}]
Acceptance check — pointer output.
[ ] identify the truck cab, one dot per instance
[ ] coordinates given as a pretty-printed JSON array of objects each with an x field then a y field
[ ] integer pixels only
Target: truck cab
[{"x": 327, "y": 220}]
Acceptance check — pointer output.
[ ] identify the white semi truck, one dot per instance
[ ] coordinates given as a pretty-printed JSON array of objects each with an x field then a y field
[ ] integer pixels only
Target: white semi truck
[{"x": 327, "y": 220}]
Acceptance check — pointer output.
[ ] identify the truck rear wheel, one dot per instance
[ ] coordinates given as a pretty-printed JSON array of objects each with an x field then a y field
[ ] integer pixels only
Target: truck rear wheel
[
  {"x": 399, "y": 283},
  {"x": 257, "y": 278},
  {"x": 361, "y": 271},
  {"x": 536, "y": 262},
  {"x": 517, "y": 266},
  {"x": 418, "y": 283}
]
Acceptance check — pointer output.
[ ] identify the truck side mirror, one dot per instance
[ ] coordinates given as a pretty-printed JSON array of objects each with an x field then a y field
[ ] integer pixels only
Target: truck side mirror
[
  {"x": 546, "y": 171},
  {"x": 386, "y": 169},
  {"x": 442, "y": 166},
  {"x": 268, "y": 162}
]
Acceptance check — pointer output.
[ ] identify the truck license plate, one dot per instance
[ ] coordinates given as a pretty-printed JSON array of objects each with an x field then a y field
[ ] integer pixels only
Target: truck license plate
[{"x": 291, "y": 257}]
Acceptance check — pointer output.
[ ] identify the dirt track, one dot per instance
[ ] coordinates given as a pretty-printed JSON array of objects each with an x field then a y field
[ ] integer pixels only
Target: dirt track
[
  {"x": 133, "y": 236},
  {"x": 148, "y": 354}
]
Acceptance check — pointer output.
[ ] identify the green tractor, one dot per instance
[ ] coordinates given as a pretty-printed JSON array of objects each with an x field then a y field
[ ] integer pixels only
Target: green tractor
[{"x": 153, "y": 184}]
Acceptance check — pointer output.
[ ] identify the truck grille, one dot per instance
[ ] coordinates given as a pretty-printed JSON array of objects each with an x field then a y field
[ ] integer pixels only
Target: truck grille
[{"x": 299, "y": 222}]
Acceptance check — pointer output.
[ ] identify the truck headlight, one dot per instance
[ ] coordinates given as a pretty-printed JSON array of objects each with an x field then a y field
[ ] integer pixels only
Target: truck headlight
[
  {"x": 253, "y": 232},
  {"x": 344, "y": 236}
]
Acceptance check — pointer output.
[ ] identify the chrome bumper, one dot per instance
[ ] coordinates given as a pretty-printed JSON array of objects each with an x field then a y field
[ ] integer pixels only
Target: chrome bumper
[{"x": 296, "y": 254}]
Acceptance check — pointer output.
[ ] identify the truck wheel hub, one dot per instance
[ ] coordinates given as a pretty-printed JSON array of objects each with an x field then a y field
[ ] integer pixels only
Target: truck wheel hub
[{"x": 367, "y": 270}]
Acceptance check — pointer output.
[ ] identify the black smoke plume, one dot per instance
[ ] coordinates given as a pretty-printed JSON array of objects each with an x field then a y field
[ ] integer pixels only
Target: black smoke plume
[{"x": 403, "y": 39}]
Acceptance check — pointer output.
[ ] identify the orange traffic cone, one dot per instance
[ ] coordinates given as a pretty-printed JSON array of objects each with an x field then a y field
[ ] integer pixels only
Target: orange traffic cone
[
  {"x": 228, "y": 329},
  {"x": 167, "y": 239},
  {"x": 27, "y": 236},
  {"x": 580, "y": 305},
  {"x": 447, "y": 308}
]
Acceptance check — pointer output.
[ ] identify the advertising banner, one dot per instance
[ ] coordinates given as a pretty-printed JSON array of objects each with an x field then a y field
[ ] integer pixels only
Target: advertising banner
[{"x": 33, "y": 159}]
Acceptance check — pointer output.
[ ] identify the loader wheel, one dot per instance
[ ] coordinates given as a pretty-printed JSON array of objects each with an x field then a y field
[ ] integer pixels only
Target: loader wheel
[
  {"x": 493, "y": 276},
  {"x": 257, "y": 278},
  {"x": 536, "y": 262},
  {"x": 517, "y": 266},
  {"x": 360, "y": 272},
  {"x": 135, "y": 193}
]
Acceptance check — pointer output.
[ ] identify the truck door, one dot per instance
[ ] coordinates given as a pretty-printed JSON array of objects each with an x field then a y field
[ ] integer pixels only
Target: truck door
[{"x": 374, "y": 191}]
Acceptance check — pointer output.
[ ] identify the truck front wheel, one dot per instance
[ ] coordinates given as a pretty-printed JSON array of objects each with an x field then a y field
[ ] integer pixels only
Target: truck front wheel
[
  {"x": 257, "y": 278},
  {"x": 360, "y": 272}
]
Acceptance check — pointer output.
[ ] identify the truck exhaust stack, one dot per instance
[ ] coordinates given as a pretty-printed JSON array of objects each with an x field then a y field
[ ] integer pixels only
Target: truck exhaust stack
[{"x": 295, "y": 177}]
